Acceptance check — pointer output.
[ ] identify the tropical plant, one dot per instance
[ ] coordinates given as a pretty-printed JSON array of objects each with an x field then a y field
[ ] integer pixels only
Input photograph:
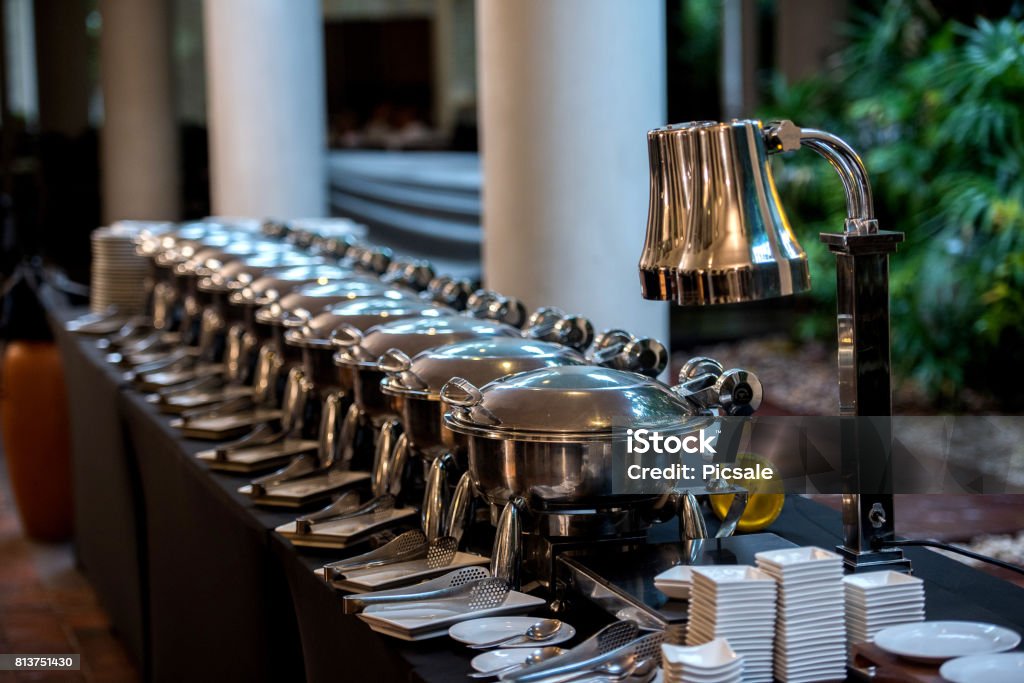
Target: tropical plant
[{"x": 934, "y": 107}]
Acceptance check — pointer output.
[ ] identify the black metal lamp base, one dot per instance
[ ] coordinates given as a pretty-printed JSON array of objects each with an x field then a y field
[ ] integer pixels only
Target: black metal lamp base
[{"x": 874, "y": 560}]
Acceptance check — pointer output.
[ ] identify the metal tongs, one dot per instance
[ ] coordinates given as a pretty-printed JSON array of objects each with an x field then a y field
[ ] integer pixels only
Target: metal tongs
[
  {"x": 470, "y": 596},
  {"x": 427, "y": 589},
  {"x": 622, "y": 662},
  {"x": 346, "y": 506},
  {"x": 386, "y": 476},
  {"x": 608, "y": 639},
  {"x": 412, "y": 545}
]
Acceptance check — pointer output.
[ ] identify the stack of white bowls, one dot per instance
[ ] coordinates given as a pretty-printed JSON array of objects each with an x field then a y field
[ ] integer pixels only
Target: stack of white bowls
[
  {"x": 735, "y": 602},
  {"x": 713, "y": 662},
  {"x": 878, "y": 600},
  {"x": 810, "y": 635},
  {"x": 118, "y": 272}
]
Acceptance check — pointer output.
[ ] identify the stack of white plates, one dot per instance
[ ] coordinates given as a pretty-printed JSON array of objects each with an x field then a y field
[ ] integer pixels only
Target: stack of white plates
[
  {"x": 676, "y": 582},
  {"x": 810, "y": 635},
  {"x": 118, "y": 272},
  {"x": 878, "y": 600},
  {"x": 735, "y": 602},
  {"x": 712, "y": 662}
]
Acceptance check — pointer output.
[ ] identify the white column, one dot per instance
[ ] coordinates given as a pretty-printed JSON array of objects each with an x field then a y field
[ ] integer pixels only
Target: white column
[
  {"x": 139, "y": 140},
  {"x": 266, "y": 107},
  {"x": 568, "y": 91}
]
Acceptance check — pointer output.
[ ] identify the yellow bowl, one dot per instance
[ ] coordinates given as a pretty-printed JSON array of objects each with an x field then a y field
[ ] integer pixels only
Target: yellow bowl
[{"x": 766, "y": 498}]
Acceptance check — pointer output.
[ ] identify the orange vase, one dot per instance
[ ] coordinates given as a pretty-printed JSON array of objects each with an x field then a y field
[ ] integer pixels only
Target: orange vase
[{"x": 34, "y": 426}]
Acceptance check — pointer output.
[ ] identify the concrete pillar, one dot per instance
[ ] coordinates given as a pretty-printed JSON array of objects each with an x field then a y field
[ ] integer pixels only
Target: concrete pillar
[
  {"x": 139, "y": 140},
  {"x": 266, "y": 107},
  {"x": 568, "y": 90},
  {"x": 739, "y": 58}
]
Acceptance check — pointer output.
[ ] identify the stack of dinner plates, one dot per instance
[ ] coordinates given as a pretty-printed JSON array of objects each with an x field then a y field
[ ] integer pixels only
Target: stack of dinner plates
[
  {"x": 877, "y": 600},
  {"x": 735, "y": 602},
  {"x": 712, "y": 662},
  {"x": 118, "y": 272},
  {"x": 810, "y": 634}
]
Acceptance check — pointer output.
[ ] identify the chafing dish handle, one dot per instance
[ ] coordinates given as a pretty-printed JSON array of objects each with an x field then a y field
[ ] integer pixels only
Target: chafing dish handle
[
  {"x": 436, "y": 497},
  {"x": 458, "y": 510},
  {"x": 507, "y": 554}
]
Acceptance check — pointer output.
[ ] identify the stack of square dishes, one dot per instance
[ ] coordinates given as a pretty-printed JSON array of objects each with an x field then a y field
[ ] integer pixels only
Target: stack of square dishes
[
  {"x": 810, "y": 635},
  {"x": 713, "y": 662},
  {"x": 878, "y": 600},
  {"x": 735, "y": 602},
  {"x": 676, "y": 582}
]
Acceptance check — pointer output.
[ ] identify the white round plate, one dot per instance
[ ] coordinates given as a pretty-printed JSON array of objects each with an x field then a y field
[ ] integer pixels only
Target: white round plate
[
  {"x": 1007, "y": 667},
  {"x": 478, "y": 631},
  {"x": 936, "y": 641}
]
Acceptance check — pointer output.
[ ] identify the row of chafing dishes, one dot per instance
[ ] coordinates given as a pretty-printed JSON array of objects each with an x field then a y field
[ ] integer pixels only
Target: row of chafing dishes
[{"x": 335, "y": 339}]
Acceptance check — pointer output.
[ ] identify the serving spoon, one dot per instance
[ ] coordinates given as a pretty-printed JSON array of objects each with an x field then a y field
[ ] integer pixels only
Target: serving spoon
[
  {"x": 537, "y": 656},
  {"x": 540, "y": 631}
]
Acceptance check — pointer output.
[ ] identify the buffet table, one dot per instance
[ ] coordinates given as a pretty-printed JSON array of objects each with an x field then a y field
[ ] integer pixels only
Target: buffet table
[{"x": 215, "y": 594}]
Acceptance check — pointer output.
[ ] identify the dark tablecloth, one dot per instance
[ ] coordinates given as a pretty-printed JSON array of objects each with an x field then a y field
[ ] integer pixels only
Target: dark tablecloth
[
  {"x": 110, "y": 530},
  {"x": 229, "y": 599}
]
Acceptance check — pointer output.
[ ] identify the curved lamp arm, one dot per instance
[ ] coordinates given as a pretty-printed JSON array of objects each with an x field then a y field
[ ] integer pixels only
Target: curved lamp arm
[{"x": 786, "y": 136}]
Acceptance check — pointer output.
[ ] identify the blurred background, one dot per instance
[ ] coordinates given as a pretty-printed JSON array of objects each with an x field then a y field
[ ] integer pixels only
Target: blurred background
[{"x": 928, "y": 91}]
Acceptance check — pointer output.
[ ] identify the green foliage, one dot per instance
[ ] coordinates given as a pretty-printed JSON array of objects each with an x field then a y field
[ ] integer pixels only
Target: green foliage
[{"x": 934, "y": 107}]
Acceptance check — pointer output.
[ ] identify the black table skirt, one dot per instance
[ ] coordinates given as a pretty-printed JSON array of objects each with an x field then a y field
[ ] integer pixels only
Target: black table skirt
[
  {"x": 219, "y": 605},
  {"x": 230, "y": 600},
  {"x": 109, "y": 519}
]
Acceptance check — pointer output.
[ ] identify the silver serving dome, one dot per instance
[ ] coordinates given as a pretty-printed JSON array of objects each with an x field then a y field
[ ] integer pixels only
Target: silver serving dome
[
  {"x": 361, "y": 314},
  {"x": 565, "y": 403},
  {"x": 412, "y": 336},
  {"x": 479, "y": 361},
  {"x": 271, "y": 287},
  {"x": 242, "y": 272},
  {"x": 175, "y": 250},
  {"x": 208, "y": 260},
  {"x": 304, "y": 303}
]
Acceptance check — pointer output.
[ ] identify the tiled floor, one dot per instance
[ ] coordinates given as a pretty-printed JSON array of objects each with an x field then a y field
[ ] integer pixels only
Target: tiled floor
[{"x": 48, "y": 607}]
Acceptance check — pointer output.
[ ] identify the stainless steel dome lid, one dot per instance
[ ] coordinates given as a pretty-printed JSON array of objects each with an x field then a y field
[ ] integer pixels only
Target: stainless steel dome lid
[
  {"x": 412, "y": 336},
  {"x": 302, "y": 304},
  {"x": 208, "y": 260},
  {"x": 478, "y": 360},
  {"x": 360, "y": 314},
  {"x": 244, "y": 271},
  {"x": 160, "y": 236},
  {"x": 565, "y": 403},
  {"x": 276, "y": 284},
  {"x": 173, "y": 251}
]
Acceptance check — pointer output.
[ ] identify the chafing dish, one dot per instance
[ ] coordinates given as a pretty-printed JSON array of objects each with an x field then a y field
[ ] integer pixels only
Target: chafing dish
[
  {"x": 542, "y": 443},
  {"x": 324, "y": 385},
  {"x": 244, "y": 336}
]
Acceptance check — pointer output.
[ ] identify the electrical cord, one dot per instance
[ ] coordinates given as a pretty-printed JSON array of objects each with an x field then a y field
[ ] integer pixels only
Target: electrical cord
[{"x": 879, "y": 543}]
